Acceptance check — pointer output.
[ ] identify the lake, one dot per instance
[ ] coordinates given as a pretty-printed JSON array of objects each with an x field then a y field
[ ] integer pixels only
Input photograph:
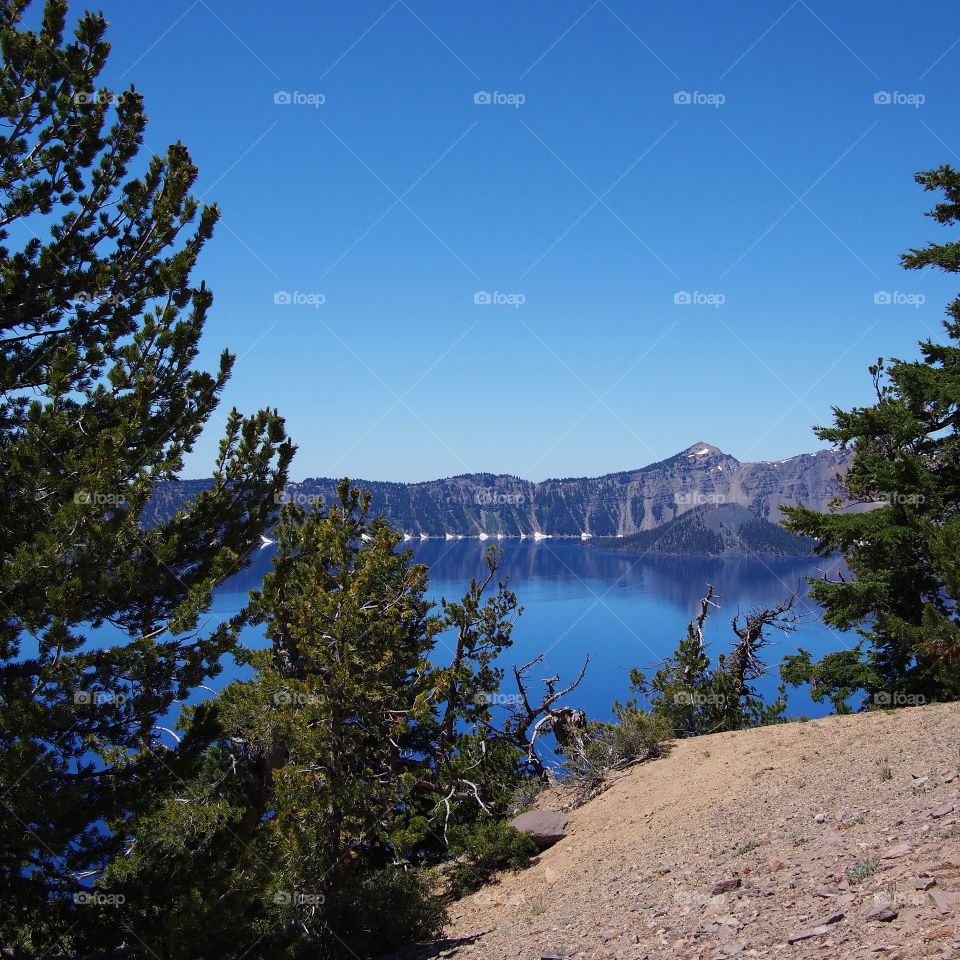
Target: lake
[{"x": 624, "y": 610}]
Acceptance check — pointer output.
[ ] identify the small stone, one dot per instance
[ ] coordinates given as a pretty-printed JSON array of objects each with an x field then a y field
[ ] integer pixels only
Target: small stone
[
  {"x": 924, "y": 883},
  {"x": 820, "y": 818},
  {"x": 882, "y": 912},
  {"x": 941, "y": 812},
  {"x": 557, "y": 953},
  {"x": 809, "y": 934},
  {"x": 895, "y": 853},
  {"x": 833, "y": 918},
  {"x": 725, "y": 886},
  {"x": 944, "y": 903}
]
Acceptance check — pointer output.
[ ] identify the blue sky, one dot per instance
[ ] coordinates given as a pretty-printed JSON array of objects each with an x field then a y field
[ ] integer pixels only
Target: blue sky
[{"x": 581, "y": 197}]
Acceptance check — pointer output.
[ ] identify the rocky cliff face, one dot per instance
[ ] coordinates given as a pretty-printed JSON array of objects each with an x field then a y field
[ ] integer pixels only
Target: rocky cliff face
[{"x": 619, "y": 504}]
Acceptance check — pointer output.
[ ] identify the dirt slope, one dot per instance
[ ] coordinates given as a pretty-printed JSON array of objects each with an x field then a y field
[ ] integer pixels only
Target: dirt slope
[{"x": 844, "y": 832}]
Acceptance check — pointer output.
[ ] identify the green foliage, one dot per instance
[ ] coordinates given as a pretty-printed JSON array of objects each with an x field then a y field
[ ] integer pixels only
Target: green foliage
[
  {"x": 862, "y": 870},
  {"x": 599, "y": 747},
  {"x": 482, "y": 849},
  {"x": 905, "y": 555},
  {"x": 349, "y": 760},
  {"x": 385, "y": 910},
  {"x": 694, "y": 696},
  {"x": 638, "y": 734},
  {"x": 100, "y": 400},
  {"x": 838, "y": 675}
]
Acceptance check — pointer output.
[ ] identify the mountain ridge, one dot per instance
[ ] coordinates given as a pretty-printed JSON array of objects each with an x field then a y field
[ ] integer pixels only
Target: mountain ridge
[{"x": 611, "y": 505}]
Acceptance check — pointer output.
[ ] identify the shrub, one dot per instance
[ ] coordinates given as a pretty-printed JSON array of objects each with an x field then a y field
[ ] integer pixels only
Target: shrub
[
  {"x": 524, "y": 795},
  {"x": 639, "y": 735},
  {"x": 602, "y": 747},
  {"x": 862, "y": 870},
  {"x": 481, "y": 849},
  {"x": 383, "y": 911}
]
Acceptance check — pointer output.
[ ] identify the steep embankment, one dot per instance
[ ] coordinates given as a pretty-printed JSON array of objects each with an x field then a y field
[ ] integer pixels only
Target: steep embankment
[{"x": 842, "y": 832}]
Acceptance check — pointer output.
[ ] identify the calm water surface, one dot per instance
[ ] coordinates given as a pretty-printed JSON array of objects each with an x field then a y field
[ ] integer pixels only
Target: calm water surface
[{"x": 622, "y": 609}]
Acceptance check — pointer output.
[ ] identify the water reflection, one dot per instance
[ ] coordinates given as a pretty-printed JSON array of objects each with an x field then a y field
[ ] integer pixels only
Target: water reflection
[{"x": 624, "y": 610}]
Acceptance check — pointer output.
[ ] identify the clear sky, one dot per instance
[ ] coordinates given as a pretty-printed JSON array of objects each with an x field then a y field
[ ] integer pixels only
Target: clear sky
[{"x": 581, "y": 197}]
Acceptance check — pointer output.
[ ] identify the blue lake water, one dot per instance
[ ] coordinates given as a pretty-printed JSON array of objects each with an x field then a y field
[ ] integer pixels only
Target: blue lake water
[{"x": 622, "y": 609}]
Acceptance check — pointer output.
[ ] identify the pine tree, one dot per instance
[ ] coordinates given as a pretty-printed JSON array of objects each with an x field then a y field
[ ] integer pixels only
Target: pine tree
[
  {"x": 904, "y": 555},
  {"x": 696, "y": 696},
  {"x": 99, "y": 402},
  {"x": 344, "y": 769}
]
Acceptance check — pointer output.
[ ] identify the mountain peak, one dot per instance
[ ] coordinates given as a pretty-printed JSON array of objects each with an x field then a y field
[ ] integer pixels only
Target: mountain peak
[{"x": 702, "y": 450}]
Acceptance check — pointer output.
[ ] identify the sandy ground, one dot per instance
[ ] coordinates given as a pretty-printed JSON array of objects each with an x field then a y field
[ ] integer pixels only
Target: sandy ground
[{"x": 838, "y": 837}]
